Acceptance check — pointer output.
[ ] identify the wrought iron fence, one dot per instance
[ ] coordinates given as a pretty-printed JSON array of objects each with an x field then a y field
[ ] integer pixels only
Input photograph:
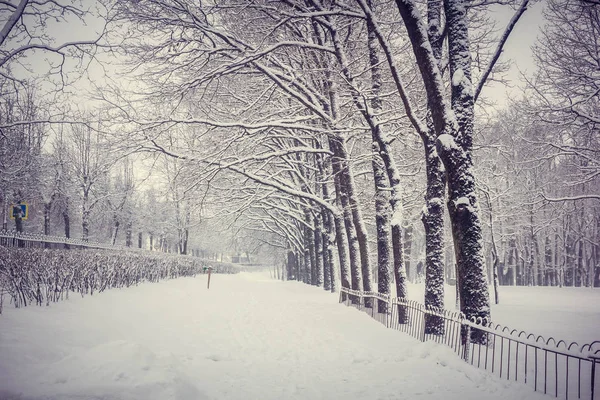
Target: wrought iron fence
[{"x": 554, "y": 367}]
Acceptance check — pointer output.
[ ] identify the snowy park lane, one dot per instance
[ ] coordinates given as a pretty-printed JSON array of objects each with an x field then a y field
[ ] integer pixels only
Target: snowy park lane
[{"x": 247, "y": 337}]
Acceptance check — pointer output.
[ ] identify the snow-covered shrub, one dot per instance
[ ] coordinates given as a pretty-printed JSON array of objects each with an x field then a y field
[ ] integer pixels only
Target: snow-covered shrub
[{"x": 42, "y": 276}]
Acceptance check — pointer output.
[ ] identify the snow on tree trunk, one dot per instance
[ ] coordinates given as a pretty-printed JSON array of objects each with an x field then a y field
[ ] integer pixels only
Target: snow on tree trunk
[
  {"x": 433, "y": 211},
  {"x": 85, "y": 225},
  {"x": 310, "y": 240},
  {"x": 318, "y": 240},
  {"x": 455, "y": 152},
  {"x": 340, "y": 168},
  {"x": 116, "y": 225},
  {"x": 433, "y": 223},
  {"x": 129, "y": 234},
  {"x": 408, "y": 242},
  {"x": 47, "y": 209},
  {"x": 460, "y": 72},
  {"x": 343, "y": 252},
  {"x": 347, "y": 179},
  {"x": 298, "y": 264},
  {"x": 361, "y": 235},
  {"x": 381, "y": 180},
  {"x": 326, "y": 256},
  {"x": 454, "y": 129},
  {"x": 467, "y": 234},
  {"x": 309, "y": 251},
  {"x": 382, "y": 225},
  {"x": 330, "y": 233},
  {"x": 396, "y": 221},
  {"x": 329, "y": 236},
  {"x": 67, "y": 222}
]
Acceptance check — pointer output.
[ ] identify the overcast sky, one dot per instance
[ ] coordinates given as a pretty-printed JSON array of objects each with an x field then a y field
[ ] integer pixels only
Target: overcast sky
[{"x": 517, "y": 49}]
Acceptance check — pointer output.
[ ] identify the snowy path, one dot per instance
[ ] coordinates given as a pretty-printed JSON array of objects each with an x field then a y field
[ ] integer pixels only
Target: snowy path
[{"x": 247, "y": 337}]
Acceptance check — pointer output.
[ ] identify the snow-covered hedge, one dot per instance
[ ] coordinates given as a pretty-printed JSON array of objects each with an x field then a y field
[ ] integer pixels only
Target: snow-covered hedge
[{"x": 41, "y": 276}]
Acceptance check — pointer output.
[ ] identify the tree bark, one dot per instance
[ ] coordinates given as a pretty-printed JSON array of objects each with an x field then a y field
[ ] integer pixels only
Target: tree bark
[
  {"x": 47, "y": 209},
  {"x": 339, "y": 165},
  {"x": 382, "y": 224},
  {"x": 309, "y": 251},
  {"x": 325, "y": 249},
  {"x": 318, "y": 240},
  {"x": 453, "y": 128},
  {"x": 381, "y": 179},
  {"x": 433, "y": 223}
]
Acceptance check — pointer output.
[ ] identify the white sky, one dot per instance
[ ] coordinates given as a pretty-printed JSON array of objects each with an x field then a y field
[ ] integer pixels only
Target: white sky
[{"x": 517, "y": 49}]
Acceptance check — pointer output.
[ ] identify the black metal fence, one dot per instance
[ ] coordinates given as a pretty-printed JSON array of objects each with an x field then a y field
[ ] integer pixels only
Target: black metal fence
[
  {"x": 551, "y": 366},
  {"x": 29, "y": 240}
]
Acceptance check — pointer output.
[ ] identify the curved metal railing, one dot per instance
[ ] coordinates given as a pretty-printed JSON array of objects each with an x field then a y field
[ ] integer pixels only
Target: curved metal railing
[{"x": 563, "y": 369}]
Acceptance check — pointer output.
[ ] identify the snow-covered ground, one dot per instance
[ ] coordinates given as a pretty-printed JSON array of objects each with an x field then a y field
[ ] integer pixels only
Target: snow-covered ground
[
  {"x": 248, "y": 337},
  {"x": 570, "y": 314}
]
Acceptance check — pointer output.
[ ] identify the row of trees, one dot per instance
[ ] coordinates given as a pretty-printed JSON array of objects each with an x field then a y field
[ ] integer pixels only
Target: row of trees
[
  {"x": 323, "y": 130},
  {"x": 60, "y": 154},
  {"x": 299, "y": 91},
  {"x": 77, "y": 183}
]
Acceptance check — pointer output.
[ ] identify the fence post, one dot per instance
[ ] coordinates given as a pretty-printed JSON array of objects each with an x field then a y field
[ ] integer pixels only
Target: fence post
[
  {"x": 467, "y": 343},
  {"x": 595, "y": 359},
  {"x": 424, "y": 321}
]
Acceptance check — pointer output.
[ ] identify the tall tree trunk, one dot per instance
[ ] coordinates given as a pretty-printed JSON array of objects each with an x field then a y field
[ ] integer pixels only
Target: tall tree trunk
[
  {"x": 454, "y": 132},
  {"x": 456, "y": 155},
  {"x": 596, "y": 258},
  {"x": 433, "y": 222},
  {"x": 116, "y": 224},
  {"x": 298, "y": 263},
  {"x": 66, "y": 222},
  {"x": 579, "y": 275},
  {"x": 328, "y": 232},
  {"x": 318, "y": 240},
  {"x": 184, "y": 244},
  {"x": 85, "y": 225},
  {"x": 339, "y": 165},
  {"x": 290, "y": 265},
  {"x": 361, "y": 236},
  {"x": 129, "y": 234},
  {"x": 381, "y": 180},
  {"x": 548, "y": 261},
  {"x": 570, "y": 261},
  {"x": 326, "y": 256},
  {"x": 494, "y": 249},
  {"x": 309, "y": 251},
  {"x": 512, "y": 260},
  {"x": 433, "y": 215},
  {"x": 385, "y": 152},
  {"x": 47, "y": 209},
  {"x": 347, "y": 179},
  {"x": 329, "y": 237},
  {"x": 411, "y": 274},
  {"x": 382, "y": 224},
  {"x": 531, "y": 261}
]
